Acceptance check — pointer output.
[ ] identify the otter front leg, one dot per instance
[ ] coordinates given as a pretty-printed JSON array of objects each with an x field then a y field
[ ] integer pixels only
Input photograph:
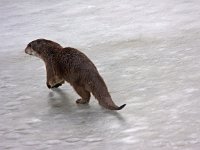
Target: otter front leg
[
  {"x": 53, "y": 81},
  {"x": 54, "y": 84}
]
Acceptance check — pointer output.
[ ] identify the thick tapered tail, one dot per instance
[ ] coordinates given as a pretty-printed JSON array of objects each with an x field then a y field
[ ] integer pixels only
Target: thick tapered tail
[
  {"x": 100, "y": 92},
  {"x": 122, "y": 106},
  {"x": 116, "y": 107},
  {"x": 108, "y": 103}
]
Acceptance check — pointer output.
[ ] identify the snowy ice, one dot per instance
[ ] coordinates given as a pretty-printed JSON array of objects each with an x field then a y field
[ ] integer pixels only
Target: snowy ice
[{"x": 148, "y": 53}]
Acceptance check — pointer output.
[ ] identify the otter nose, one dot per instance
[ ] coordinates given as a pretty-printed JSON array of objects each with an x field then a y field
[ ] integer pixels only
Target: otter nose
[{"x": 27, "y": 50}]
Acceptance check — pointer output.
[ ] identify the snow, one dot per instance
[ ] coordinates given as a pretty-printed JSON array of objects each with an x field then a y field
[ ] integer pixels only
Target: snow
[{"x": 146, "y": 51}]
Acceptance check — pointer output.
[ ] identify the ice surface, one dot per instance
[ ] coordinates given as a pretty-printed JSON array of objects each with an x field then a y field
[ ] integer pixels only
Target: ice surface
[{"x": 148, "y": 53}]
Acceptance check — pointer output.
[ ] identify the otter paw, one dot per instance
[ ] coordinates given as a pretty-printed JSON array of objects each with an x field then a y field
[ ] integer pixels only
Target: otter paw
[
  {"x": 81, "y": 101},
  {"x": 57, "y": 85}
]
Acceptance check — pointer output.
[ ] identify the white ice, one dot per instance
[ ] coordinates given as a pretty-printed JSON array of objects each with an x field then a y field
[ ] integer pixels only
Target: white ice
[{"x": 148, "y": 52}]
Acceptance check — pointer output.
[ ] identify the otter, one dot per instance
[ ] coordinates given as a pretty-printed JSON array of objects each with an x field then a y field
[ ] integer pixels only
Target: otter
[{"x": 71, "y": 65}]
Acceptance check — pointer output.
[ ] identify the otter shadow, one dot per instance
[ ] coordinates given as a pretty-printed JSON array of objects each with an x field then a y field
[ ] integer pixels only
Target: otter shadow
[
  {"x": 115, "y": 114},
  {"x": 57, "y": 98},
  {"x": 65, "y": 103},
  {"x": 60, "y": 99}
]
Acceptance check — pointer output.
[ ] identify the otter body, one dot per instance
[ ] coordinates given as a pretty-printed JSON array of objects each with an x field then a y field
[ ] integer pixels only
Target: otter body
[{"x": 71, "y": 65}]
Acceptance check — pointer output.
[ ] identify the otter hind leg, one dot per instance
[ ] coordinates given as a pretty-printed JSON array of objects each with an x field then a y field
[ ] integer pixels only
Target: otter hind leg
[{"x": 85, "y": 95}]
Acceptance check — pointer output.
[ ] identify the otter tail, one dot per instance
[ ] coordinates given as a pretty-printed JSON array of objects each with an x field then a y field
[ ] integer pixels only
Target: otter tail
[
  {"x": 122, "y": 106},
  {"x": 116, "y": 107},
  {"x": 100, "y": 92},
  {"x": 107, "y": 102}
]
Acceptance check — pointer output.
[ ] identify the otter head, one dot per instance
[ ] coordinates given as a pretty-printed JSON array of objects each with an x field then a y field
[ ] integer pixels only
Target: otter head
[{"x": 41, "y": 48}]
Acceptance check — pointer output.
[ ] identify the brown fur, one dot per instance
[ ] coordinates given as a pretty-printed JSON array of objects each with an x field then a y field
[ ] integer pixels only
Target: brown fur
[{"x": 71, "y": 65}]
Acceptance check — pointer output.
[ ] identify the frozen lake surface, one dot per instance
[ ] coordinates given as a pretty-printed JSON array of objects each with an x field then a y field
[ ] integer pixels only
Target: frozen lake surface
[{"x": 148, "y": 52}]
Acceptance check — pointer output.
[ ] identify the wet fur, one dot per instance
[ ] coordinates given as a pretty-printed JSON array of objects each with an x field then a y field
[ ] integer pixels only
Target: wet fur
[{"x": 71, "y": 65}]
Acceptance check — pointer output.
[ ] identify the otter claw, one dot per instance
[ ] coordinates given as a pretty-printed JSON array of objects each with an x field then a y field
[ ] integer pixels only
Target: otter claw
[{"x": 57, "y": 85}]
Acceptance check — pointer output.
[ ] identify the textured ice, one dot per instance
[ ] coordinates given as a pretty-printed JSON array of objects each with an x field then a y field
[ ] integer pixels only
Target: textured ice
[{"x": 147, "y": 52}]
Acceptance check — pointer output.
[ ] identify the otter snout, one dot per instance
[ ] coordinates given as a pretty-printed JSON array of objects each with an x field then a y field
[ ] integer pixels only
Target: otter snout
[{"x": 30, "y": 51}]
